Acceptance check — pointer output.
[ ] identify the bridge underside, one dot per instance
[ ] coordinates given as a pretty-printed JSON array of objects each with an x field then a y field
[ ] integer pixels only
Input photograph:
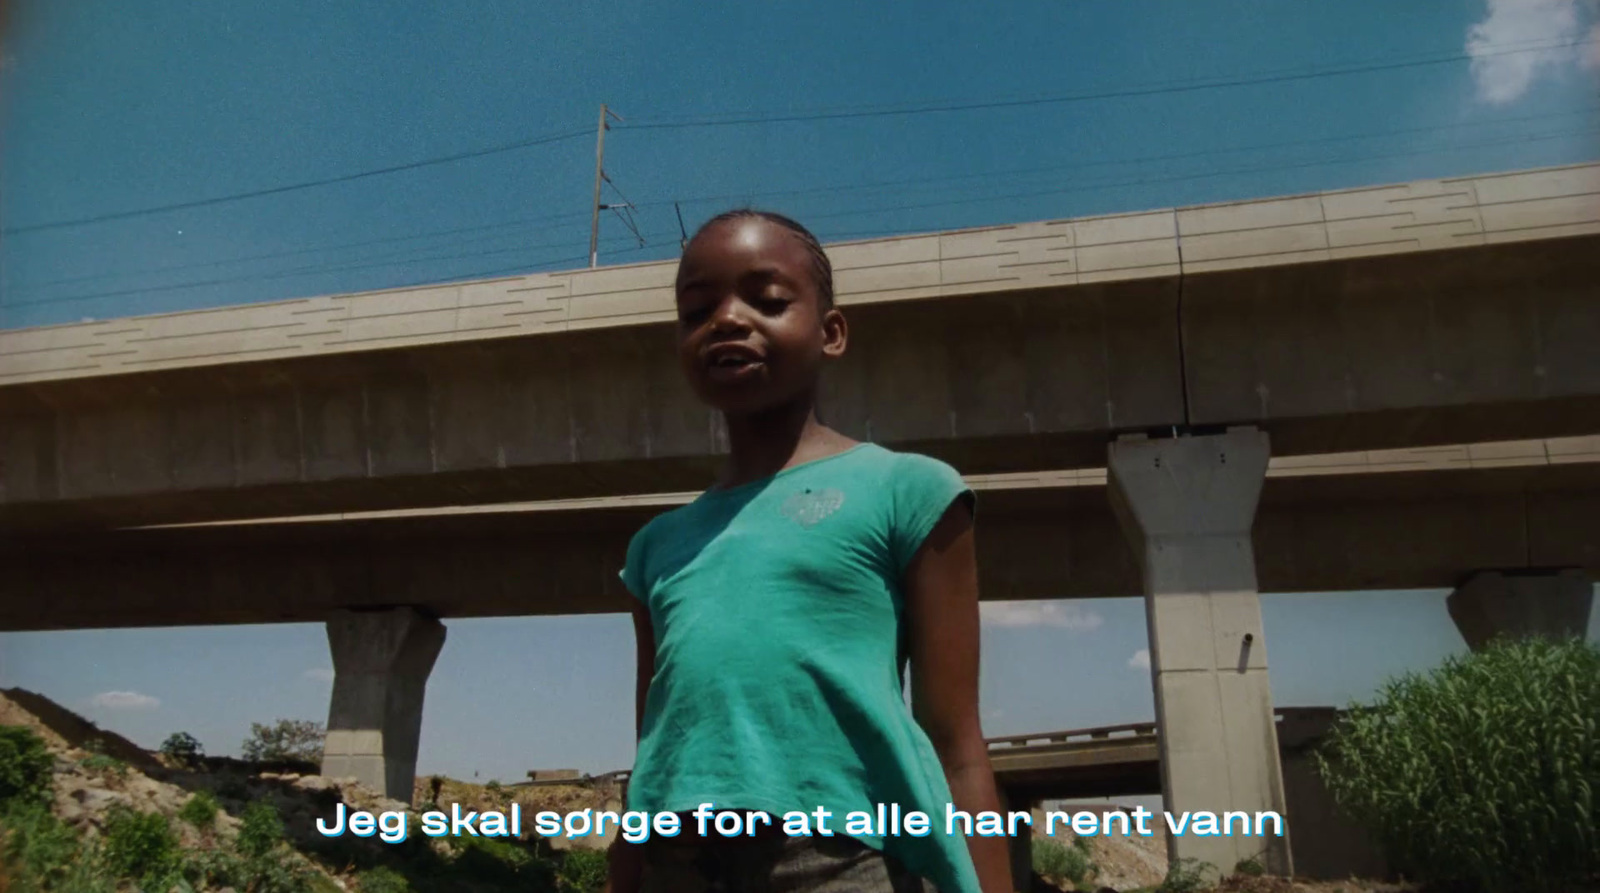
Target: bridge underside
[
  {"x": 1392, "y": 530},
  {"x": 1467, "y": 345}
]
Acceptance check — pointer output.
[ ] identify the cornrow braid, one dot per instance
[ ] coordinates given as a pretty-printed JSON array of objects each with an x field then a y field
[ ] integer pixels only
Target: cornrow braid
[{"x": 820, "y": 265}]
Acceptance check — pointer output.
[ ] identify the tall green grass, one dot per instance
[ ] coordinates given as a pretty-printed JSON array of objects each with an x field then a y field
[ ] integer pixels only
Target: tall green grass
[{"x": 1483, "y": 774}]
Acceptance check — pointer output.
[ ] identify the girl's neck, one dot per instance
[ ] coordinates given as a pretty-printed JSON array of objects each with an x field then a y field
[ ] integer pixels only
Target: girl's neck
[{"x": 764, "y": 443}]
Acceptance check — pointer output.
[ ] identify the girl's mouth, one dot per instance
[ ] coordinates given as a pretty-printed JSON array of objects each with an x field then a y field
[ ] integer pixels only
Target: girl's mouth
[
  {"x": 730, "y": 367},
  {"x": 732, "y": 362}
]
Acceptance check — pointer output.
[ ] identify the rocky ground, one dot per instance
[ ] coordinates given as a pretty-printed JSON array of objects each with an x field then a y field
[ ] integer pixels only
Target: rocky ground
[{"x": 96, "y": 771}]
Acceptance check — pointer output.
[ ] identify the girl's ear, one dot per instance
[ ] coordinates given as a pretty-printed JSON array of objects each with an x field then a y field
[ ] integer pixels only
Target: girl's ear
[{"x": 835, "y": 334}]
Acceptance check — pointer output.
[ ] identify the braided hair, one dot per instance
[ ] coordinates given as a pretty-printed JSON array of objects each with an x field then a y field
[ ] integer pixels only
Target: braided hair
[{"x": 821, "y": 267}]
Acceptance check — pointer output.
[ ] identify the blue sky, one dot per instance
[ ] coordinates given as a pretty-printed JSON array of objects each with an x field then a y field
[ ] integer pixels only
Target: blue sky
[{"x": 904, "y": 117}]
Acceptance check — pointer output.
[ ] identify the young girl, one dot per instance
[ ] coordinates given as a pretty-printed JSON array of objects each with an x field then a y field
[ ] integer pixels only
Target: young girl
[{"x": 777, "y": 612}]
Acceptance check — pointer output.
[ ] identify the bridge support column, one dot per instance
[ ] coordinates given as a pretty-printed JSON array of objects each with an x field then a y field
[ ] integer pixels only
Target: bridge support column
[
  {"x": 1020, "y": 847},
  {"x": 1554, "y": 604},
  {"x": 1187, "y": 504},
  {"x": 381, "y": 662}
]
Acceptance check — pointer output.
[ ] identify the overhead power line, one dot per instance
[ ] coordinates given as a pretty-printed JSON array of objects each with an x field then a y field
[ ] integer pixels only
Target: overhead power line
[
  {"x": 992, "y": 197},
  {"x": 922, "y": 182},
  {"x": 294, "y": 187},
  {"x": 1085, "y": 187},
  {"x": 820, "y": 115},
  {"x": 317, "y": 249},
  {"x": 944, "y": 179},
  {"x": 1120, "y": 93}
]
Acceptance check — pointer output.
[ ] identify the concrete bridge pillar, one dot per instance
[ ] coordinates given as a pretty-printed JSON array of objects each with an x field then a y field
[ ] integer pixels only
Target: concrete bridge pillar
[
  {"x": 381, "y": 662},
  {"x": 1187, "y": 504},
  {"x": 1554, "y": 604},
  {"x": 1020, "y": 847}
]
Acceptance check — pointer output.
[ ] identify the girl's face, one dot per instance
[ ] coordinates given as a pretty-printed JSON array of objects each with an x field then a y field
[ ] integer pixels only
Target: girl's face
[{"x": 752, "y": 333}]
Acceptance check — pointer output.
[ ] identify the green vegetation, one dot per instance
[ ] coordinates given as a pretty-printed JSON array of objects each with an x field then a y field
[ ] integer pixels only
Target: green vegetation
[
  {"x": 1187, "y": 876},
  {"x": 41, "y": 853},
  {"x": 383, "y": 879},
  {"x": 285, "y": 740},
  {"x": 104, "y": 764},
  {"x": 583, "y": 871},
  {"x": 1054, "y": 860},
  {"x": 1250, "y": 868},
  {"x": 182, "y": 748},
  {"x": 143, "y": 851},
  {"x": 200, "y": 811},
  {"x": 140, "y": 846},
  {"x": 260, "y": 830},
  {"x": 25, "y": 766},
  {"x": 1484, "y": 774}
]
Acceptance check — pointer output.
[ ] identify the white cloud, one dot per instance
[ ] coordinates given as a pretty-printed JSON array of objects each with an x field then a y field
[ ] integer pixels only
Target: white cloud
[
  {"x": 1518, "y": 40},
  {"x": 125, "y": 700},
  {"x": 1040, "y": 613},
  {"x": 1140, "y": 659},
  {"x": 319, "y": 674}
]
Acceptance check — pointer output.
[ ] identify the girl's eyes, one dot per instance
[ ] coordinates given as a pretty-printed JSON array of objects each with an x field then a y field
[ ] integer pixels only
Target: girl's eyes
[
  {"x": 769, "y": 305},
  {"x": 693, "y": 315}
]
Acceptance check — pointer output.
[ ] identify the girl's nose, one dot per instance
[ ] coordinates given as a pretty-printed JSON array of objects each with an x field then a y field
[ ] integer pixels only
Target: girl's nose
[{"x": 729, "y": 316}]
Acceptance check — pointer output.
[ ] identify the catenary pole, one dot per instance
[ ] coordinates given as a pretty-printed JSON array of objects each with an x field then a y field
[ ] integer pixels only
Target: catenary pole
[{"x": 599, "y": 176}]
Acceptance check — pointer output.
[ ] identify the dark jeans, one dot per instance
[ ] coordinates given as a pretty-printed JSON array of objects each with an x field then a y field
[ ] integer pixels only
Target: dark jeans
[{"x": 772, "y": 864}]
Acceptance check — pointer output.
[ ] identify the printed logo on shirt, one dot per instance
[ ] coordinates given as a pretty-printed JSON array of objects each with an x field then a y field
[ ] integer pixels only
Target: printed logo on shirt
[{"x": 809, "y": 506}]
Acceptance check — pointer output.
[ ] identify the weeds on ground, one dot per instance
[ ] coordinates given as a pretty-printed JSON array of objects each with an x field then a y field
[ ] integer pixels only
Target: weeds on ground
[
  {"x": 382, "y": 879},
  {"x": 582, "y": 871},
  {"x": 104, "y": 764},
  {"x": 1187, "y": 876},
  {"x": 201, "y": 810},
  {"x": 141, "y": 846},
  {"x": 1053, "y": 859}
]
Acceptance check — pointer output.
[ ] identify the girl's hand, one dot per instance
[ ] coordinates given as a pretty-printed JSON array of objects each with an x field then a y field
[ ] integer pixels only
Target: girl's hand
[{"x": 941, "y": 589}]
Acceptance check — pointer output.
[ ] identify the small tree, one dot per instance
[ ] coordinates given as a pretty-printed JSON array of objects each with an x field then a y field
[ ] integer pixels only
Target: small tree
[
  {"x": 183, "y": 748},
  {"x": 287, "y": 739}
]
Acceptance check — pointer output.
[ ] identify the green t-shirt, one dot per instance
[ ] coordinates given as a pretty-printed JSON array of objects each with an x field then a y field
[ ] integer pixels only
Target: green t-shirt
[{"x": 781, "y": 648}]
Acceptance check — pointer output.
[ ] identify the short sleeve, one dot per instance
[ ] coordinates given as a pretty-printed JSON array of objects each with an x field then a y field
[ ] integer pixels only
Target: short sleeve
[
  {"x": 633, "y": 569},
  {"x": 923, "y": 489}
]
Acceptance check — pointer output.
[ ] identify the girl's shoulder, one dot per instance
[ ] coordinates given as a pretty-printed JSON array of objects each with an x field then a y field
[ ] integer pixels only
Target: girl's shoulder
[{"x": 915, "y": 471}]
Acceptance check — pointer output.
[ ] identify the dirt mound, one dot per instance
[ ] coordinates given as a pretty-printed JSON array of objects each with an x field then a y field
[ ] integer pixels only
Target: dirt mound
[{"x": 64, "y": 729}]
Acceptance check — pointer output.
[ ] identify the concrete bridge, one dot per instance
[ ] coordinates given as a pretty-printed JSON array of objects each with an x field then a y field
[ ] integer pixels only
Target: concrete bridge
[
  {"x": 1122, "y": 760},
  {"x": 1137, "y": 367}
]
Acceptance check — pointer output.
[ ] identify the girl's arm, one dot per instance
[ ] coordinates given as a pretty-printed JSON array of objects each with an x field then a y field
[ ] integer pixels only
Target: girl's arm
[
  {"x": 625, "y": 863},
  {"x": 941, "y": 589}
]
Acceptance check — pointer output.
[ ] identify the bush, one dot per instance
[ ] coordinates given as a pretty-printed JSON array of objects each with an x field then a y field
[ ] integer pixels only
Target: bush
[
  {"x": 36, "y": 846},
  {"x": 26, "y": 766},
  {"x": 287, "y": 739},
  {"x": 583, "y": 871},
  {"x": 183, "y": 748},
  {"x": 260, "y": 830},
  {"x": 1484, "y": 774},
  {"x": 383, "y": 879},
  {"x": 104, "y": 764},
  {"x": 1054, "y": 860},
  {"x": 1186, "y": 876},
  {"x": 496, "y": 863},
  {"x": 258, "y": 874},
  {"x": 200, "y": 810},
  {"x": 141, "y": 847}
]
